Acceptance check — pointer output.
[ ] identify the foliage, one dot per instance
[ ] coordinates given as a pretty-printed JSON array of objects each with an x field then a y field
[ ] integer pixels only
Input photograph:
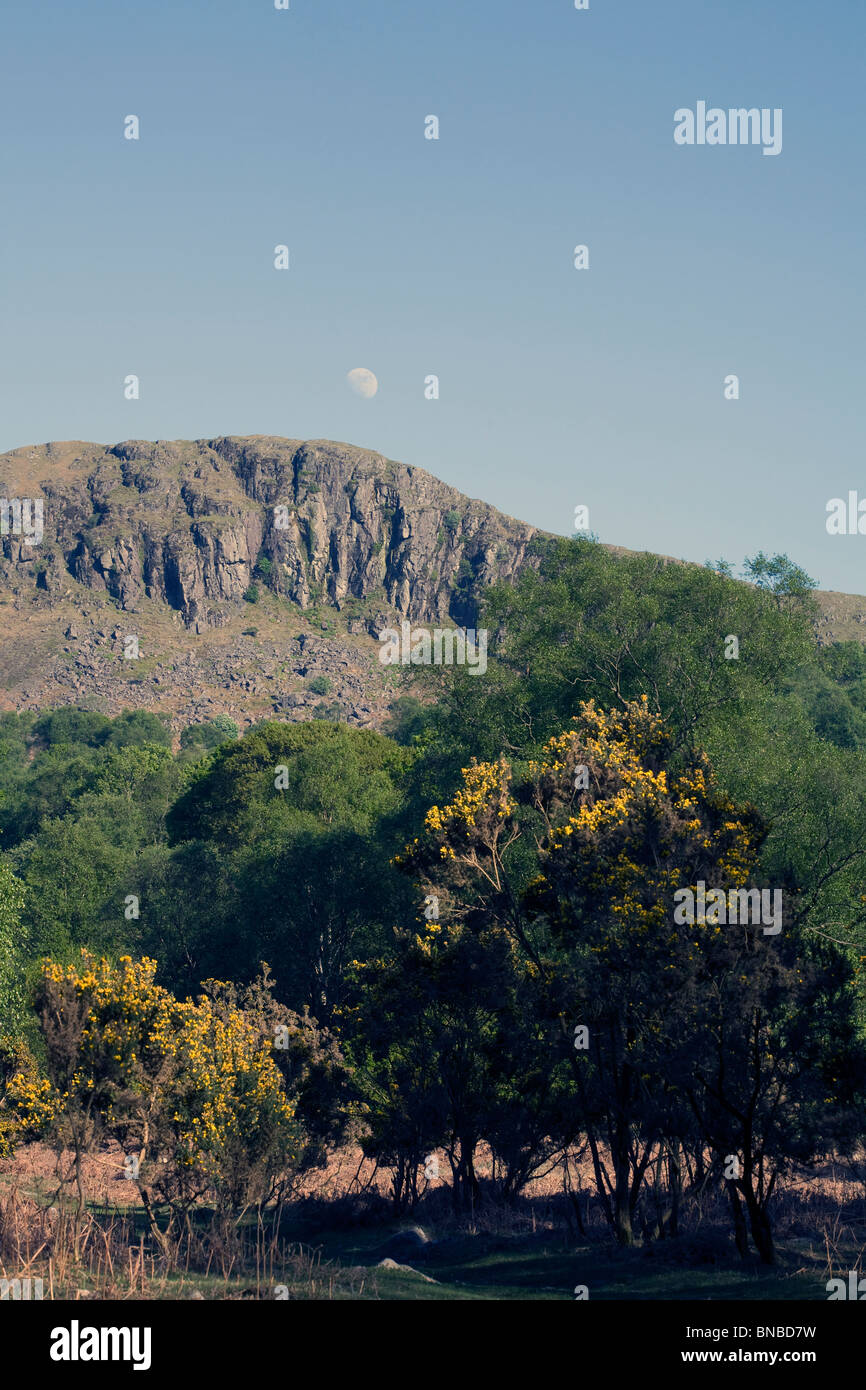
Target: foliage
[
  {"x": 407, "y": 720},
  {"x": 622, "y": 825},
  {"x": 779, "y": 576},
  {"x": 194, "y": 1083},
  {"x": 334, "y": 776},
  {"x": 196, "y": 740},
  {"x": 12, "y": 901}
]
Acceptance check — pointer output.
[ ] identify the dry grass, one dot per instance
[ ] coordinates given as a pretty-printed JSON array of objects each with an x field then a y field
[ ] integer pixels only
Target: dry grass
[{"x": 819, "y": 1220}]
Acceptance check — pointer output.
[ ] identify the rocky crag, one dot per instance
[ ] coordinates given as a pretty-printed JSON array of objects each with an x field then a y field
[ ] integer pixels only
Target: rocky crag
[{"x": 172, "y": 542}]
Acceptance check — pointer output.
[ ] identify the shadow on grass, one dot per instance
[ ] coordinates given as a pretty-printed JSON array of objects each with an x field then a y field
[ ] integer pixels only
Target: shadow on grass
[{"x": 533, "y": 1267}]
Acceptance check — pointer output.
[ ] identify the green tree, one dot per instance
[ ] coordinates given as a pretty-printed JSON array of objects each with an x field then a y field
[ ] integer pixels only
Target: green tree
[
  {"x": 136, "y": 727},
  {"x": 780, "y": 577},
  {"x": 197, "y": 740},
  {"x": 73, "y": 725},
  {"x": 593, "y": 625},
  {"x": 407, "y": 720},
  {"x": 12, "y": 902},
  {"x": 75, "y": 876},
  {"x": 622, "y": 825},
  {"x": 332, "y": 776},
  {"x": 428, "y": 1026}
]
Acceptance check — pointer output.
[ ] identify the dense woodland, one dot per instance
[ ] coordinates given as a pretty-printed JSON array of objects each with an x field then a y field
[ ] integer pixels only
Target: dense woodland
[{"x": 458, "y": 934}]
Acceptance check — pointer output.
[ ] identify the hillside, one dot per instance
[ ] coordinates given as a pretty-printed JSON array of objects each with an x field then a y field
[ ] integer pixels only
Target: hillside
[{"x": 162, "y": 541}]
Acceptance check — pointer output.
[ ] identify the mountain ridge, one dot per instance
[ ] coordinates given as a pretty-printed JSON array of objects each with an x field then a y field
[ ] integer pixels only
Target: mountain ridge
[{"x": 167, "y": 542}]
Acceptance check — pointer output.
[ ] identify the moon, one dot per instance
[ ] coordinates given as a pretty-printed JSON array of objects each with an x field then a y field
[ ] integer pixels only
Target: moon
[{"x": 363, "y": 382}]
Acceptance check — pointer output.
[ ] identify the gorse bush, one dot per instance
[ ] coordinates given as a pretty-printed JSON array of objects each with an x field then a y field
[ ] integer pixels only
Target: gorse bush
[
  {"x": 697, "y": 1034},
  {"x": 189, "y": 1089}
]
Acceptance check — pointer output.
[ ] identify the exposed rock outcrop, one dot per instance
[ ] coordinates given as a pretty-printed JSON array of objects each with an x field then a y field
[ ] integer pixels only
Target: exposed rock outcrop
[{"x": 186, "y": 524}]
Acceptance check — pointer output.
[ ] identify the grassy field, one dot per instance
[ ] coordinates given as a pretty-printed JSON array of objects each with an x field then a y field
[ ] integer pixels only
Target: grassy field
[
  {"x": 545, "y": 1267},
  {"x": 326, "y": 1251}
]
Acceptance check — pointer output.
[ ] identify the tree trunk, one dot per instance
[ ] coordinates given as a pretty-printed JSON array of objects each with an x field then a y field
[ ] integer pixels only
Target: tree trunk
[
  {"x": 622, "y": 1208},
  {"x": 675, "y": 1187},
  {"x": 740, "y": 1234},
  {"x": 759, "y": 1221},
  {"x": 624, "y": 1199},
  {"x": 466, "y": 1191}
]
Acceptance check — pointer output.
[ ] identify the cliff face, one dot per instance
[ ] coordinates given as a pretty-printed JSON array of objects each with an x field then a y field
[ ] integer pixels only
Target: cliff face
[{"x": 185, "y": 524}]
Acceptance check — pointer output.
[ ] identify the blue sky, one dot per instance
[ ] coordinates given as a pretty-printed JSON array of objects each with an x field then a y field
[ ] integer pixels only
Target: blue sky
[{"x": 410, "y": 257}]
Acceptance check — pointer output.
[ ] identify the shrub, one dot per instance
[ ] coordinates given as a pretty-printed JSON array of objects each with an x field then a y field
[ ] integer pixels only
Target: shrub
[
  {"x": 135, "y": 727},
  {"x": 193, "y": 1083},
  {"x": 73, "y": 725},
  {"x": 210, "y": 734}
]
